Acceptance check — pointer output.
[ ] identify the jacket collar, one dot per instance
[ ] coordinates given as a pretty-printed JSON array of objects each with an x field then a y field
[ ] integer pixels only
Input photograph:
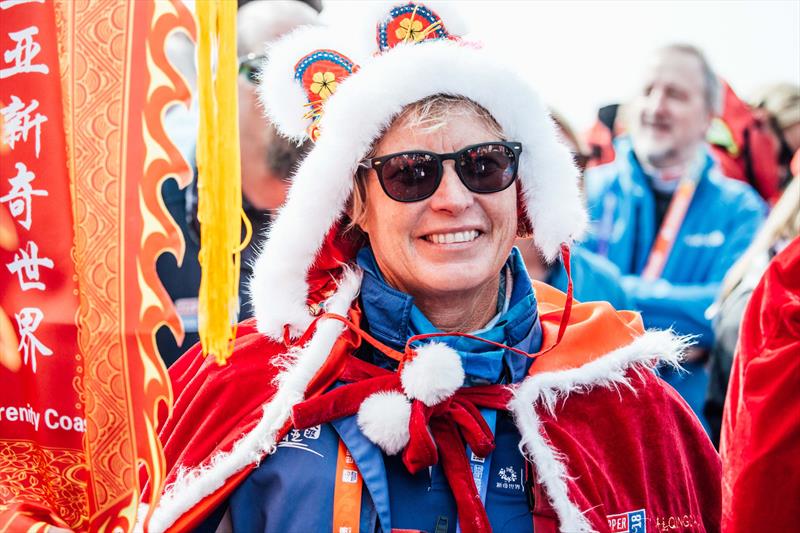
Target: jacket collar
[{"x": 391, "y": 316}]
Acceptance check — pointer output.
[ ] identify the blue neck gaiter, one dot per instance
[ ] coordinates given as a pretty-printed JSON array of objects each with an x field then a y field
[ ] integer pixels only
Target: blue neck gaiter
[{"x": 392, "y": 318}]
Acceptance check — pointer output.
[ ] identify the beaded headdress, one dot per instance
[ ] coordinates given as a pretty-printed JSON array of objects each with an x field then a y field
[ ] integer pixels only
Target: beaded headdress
[{"x": 341, "y": 87}]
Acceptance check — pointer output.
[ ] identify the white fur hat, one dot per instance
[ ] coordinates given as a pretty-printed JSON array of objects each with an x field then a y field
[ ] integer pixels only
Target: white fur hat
[{"x": 348, "y": 94}]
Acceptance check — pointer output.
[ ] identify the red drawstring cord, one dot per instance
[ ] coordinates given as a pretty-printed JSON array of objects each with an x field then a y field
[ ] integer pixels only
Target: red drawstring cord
[{"x": 408, "y": 354}]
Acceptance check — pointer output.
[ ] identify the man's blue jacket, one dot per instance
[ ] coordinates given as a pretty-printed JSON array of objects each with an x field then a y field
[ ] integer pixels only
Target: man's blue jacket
[{"x": 722, "y": 219}]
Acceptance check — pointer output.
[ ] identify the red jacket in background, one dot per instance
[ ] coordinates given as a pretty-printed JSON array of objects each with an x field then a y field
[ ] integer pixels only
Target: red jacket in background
[
  {"x": 761, "y": 423},
  {"x": 743, "y": 146}
]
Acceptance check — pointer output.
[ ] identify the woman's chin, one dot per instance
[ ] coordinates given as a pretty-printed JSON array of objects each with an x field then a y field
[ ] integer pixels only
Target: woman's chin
[{"x": 452, "y": 278}]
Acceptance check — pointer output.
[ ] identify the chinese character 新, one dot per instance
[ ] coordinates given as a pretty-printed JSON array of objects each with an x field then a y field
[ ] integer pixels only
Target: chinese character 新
[
  {"x": 26, "y": 265},
  {"x": 21, "y": 57},
  {"x": 19, "y": 197},
  {"x": 28, "y": 320},
  {"x": 17, "y": 122}
]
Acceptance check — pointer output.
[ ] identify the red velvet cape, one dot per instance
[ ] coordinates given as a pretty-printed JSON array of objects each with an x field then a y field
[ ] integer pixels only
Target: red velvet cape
[
  {"x": 624, "y": 449},
  {"x": 761, "y": 423}
]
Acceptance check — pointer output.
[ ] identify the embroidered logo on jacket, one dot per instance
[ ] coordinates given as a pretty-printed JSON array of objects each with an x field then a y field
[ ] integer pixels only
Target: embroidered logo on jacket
[
  {"x": 296, "y": 439},
  {"x": 509, "y": 479},
  {"x": 630, "y": 522}
]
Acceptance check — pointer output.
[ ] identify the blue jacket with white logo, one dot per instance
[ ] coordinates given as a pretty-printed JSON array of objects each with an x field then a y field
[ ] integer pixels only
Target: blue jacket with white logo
[
  {"x": 303, "y": 468},
  {"x": 720, "y": 223}
]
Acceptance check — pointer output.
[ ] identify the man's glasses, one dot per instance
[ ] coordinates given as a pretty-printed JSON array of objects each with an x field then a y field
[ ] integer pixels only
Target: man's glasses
[
  {"x": 415, "y": 175},
  {"x": 250, "y": 67}
]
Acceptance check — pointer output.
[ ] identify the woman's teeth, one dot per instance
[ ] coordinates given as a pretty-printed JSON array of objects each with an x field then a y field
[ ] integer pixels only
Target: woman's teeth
[{"x": 448, "y": 238}]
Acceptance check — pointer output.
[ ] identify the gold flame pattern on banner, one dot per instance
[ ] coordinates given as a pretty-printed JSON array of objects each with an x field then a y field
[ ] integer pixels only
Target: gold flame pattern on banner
[
  {"x": 51, "y": 477},
  {"x": 117, "y": 84}
]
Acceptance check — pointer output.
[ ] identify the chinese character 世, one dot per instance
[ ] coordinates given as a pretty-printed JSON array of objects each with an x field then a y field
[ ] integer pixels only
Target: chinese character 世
[
  {"x": 28, "y": 320},
  {"x": 26, "y": 265},
  {"x": 23, "y": 54},
  {"x": 19, "y": 197},
  {"x": 17, "y": 122}
]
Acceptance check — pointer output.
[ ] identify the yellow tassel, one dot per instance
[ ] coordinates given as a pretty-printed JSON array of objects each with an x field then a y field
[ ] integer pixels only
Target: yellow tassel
[{"x": 219, "y": 177}]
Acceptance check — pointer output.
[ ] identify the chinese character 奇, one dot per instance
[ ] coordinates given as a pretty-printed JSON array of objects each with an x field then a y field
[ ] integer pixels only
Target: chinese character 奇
[
  {"x": 28, "y": 320},
  {"x": 26, "y": 265},
  {"x": 19, "y": 197}
]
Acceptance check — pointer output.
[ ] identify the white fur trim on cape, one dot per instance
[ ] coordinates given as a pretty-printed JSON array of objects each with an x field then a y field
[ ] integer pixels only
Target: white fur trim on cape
[
  {"x": 383, "y": 418},
  {"x": 434, "y": 374},
  {"x": 194, "y": 484},
  {"x": 358, "y": 113},
  {"x": 547, "y": 389}
]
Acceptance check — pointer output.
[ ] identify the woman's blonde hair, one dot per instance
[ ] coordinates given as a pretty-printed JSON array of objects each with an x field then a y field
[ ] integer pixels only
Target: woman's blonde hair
[{"x": 427, "y": 116}]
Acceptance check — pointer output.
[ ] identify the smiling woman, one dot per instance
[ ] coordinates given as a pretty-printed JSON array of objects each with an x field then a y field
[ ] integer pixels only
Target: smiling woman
[
  {"x": 447, "y": 249},
  {"x": 403, "y": 372}
]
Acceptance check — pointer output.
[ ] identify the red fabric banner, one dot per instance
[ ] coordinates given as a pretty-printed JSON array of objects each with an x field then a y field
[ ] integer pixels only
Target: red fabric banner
[
  {"x": 42, "y": 420},
  {"x": 83, "y": 89}
]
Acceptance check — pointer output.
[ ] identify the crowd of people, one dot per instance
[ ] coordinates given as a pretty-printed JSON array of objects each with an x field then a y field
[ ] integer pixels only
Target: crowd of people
[{"x": 609, "y": 279}]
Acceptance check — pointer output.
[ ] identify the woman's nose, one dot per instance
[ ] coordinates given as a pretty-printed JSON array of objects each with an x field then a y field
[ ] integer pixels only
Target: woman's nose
[{"x": 452, "y": 195}]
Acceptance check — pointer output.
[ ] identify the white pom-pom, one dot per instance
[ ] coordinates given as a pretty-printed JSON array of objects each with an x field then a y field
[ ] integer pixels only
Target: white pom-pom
[
  {"x": 434, "y": 374},
  {"x": 383, "y": 418}
]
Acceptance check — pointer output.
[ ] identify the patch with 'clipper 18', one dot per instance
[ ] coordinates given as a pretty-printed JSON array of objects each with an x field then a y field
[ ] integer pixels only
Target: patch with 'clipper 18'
[{"x": 630, "y": 522}]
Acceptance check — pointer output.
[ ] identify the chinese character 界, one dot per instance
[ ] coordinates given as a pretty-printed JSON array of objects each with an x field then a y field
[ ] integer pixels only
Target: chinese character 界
[
  {"x": 21, "y": 57},
  {"x": 19, "y": 197},
  {"x": 28, "y": 320},
  {"x": 26, "y": 265},
  {"x": 17, "y": 122}
]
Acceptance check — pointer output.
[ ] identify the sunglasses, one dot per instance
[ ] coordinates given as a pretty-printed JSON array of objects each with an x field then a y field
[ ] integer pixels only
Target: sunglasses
[
  {"x": 415, "y": 175},
  {"x": 250, "y": 67}
]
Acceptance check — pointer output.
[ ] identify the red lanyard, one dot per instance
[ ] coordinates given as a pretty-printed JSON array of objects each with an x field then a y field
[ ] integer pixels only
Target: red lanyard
[{"x": 668, "y": 232}]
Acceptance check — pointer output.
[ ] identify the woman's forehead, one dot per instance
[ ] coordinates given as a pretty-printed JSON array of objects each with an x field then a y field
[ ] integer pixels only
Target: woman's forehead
[{"x": 448, "y": 134}]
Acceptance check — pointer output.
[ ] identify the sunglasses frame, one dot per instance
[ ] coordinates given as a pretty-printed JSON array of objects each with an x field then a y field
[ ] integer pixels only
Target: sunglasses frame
[
  {"x": 376, "y": 163},
  {"x": 245, "y": 68}
]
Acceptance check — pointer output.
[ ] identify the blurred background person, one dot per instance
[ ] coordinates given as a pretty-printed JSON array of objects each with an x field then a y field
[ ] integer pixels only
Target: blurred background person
[
  {"x": 267, "y": 162},
  {"x": 779, "y": 105},
  {"x": 594, "y": 278},
  {"x": 740, "y": 138},
  {"x": 782, "y": 225},
  {"x": 664, "y": 214},
  {"x": 743, "y": 145}
]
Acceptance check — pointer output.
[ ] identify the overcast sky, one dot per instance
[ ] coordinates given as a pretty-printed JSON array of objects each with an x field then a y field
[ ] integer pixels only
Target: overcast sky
[{"x": 583, "y": 54}]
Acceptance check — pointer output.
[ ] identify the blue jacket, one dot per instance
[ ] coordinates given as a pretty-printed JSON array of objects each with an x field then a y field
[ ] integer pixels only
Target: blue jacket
[
  {"x": 722, "y": 219},
  {"x": 303, "y": 468}
]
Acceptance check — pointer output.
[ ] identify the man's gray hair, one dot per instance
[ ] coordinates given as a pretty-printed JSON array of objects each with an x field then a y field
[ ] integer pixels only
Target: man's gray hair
[{"x": 713, "y": 87}]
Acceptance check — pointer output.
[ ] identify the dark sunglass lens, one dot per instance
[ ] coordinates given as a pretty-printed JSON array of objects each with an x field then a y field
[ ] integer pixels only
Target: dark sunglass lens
[
  {"x": 410, "y": 177},
  {"x": 251, "y": 69},
  {"x": 488, "y": 168}
]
